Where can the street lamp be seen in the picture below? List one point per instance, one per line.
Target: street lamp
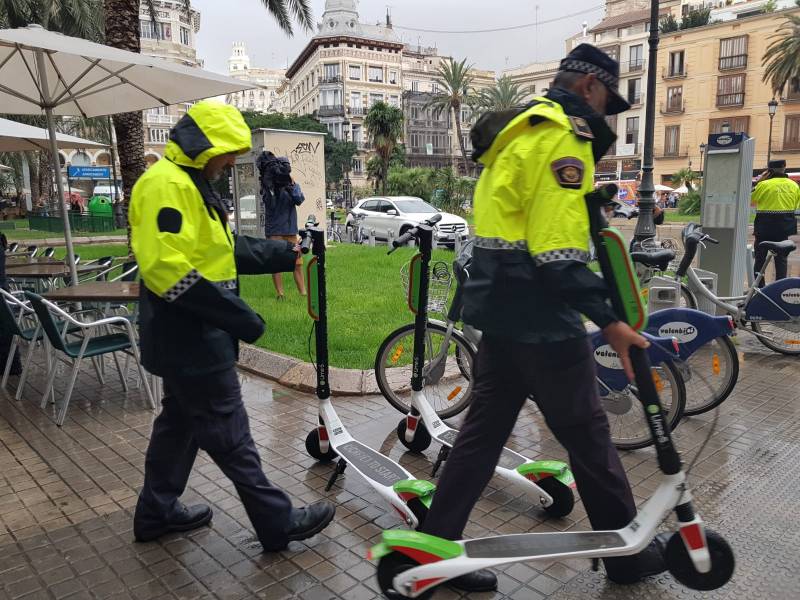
(772, 105)
(702, 155)
(645, 227)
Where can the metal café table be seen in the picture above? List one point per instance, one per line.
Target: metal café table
(16, 260)
(119, 292)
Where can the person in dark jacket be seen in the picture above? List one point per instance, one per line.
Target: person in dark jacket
(281, 196)
(191, 321)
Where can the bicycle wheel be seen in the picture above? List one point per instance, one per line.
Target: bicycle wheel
(710, 374)
(626, 419)
(784, 335)
(688, 299)
(447, 388)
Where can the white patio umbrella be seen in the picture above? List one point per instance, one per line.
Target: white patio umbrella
(662, 188)
(18, 137)
(681, 190)
(50, 73)
(5, 168)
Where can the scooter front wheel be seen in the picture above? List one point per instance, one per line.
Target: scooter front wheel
(314, 450)
(421, 439)
(681, 567)
(563, 498)
(389, 567)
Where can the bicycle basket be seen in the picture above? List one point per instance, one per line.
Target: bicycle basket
(439, 289)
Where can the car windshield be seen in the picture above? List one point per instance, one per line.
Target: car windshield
(414, 206)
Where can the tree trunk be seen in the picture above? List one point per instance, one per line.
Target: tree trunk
(122, 31)
(33, 169)
(457, 115)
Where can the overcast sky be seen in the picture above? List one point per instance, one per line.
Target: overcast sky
(226, 21)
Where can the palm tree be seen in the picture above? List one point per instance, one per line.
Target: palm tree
(384, 125)
(78, 18)
(504, 95)
(123, 31)
(685, 177)
(455, 80)
(782, 57)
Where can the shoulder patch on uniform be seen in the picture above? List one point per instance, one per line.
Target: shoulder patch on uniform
(169, 220)
(568, 172)
(581, 128)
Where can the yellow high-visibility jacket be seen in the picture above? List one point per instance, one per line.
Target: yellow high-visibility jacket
(776, 195)
(191, 316)
(529, 278)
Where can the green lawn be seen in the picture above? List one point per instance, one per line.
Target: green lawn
(365, 303)
(22, 232)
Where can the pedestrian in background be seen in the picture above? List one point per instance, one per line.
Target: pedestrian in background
(281, 196)
(776, 198)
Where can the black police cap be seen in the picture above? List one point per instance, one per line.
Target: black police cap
(585, 58)
(777, 164)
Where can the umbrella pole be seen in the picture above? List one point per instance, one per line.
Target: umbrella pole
(51, 128)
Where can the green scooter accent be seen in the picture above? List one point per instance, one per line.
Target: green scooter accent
(539, 469)
(430, 544)
(627, 284)
(416, 488)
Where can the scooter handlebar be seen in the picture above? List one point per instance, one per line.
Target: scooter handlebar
(305, 244)
(412, 233)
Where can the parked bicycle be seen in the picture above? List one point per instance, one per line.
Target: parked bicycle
(771, 313)
(334, 231)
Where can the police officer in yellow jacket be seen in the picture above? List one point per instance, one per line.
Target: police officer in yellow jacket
(191, 321)
(529, 283)
(776, 198)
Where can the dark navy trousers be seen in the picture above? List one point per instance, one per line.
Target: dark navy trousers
(206, 412)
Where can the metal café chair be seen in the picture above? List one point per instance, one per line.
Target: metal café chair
(32, 250)
(49, 252)
(94, 344)
(19, 320)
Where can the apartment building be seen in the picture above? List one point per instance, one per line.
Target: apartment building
(344, 69)
(269, 81)
(710, 80)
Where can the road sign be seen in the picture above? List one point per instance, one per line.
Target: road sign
(89, 172)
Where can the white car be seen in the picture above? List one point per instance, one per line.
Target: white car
(396, 214)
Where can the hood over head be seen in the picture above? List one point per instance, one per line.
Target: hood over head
(207, 130)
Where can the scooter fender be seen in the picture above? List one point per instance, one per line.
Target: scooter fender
(779, 301)
(421, 547)
(609, 366)
(692, 328)
(539, 469)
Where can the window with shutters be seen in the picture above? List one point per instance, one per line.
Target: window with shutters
(376, 74)
(793, 90)
(677, 64)
(355, 72)
(733, 53)
(672, 140)
(675, 99)
(730, 90)
(736, 124)
(791, 137)
(631, 130)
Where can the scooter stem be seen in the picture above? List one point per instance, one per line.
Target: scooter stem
(318, 307)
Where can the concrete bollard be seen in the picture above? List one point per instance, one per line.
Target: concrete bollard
(457, 245)
(371, 241)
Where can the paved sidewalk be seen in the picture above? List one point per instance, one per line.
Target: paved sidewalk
(67, 495)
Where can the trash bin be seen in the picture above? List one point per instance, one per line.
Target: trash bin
(100, 206)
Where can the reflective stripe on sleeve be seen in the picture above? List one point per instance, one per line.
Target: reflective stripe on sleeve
(182, 286)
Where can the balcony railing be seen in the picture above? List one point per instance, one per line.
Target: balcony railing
(633, 66)
(356, 111)
(737, 61)
(162, 119)
(674, 72)
(726, 100)
(332, 79)
(362, 145)
(628, 149)
(424, 150)
(634, 99)
(674, 107)
(792, 96)
(674, 152)
(336, 110)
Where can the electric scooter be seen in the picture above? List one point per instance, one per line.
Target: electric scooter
(409, 497)
(413, 564)
(549, 481)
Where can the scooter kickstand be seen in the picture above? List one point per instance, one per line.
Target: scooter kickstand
(444, 452)
(340, 467)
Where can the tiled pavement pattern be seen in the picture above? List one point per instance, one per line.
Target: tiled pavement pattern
(67, 495)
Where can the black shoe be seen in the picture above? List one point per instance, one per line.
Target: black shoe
(310, 520)
(626, 570)
(477, 581)
(185, 518)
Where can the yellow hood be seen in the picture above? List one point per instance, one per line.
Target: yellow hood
(209, 129)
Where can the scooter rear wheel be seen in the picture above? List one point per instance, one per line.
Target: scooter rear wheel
(563, 498)
(422, 438)
(682, 568)
(314, 450)
(389, 567)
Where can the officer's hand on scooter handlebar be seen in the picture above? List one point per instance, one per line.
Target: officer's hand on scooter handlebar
(620, 336)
